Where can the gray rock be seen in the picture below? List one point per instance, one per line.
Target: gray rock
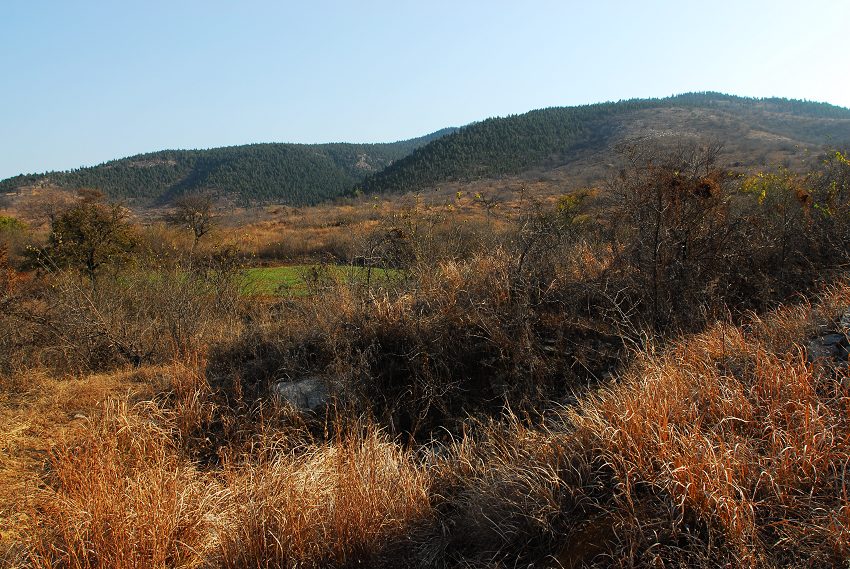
(307, 394)
(828, 346)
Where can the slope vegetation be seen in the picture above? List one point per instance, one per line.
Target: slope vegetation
(298, 174)
(561, 146)
(580, 139)
(640, 385)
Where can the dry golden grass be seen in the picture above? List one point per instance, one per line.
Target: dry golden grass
(36, 413)
(747, 443)
(727, 449)
(120, 496)
(336, 504)
(95, 480)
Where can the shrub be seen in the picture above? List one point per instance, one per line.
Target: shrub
(88, 236)
(672, 232)
(11, 225)
(143, 315)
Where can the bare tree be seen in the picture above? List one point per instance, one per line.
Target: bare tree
(196, 212)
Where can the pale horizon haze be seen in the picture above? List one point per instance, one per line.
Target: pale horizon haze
(89, 81)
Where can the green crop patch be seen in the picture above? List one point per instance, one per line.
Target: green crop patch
(302, 280)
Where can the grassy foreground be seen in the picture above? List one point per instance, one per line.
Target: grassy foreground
(727, 449)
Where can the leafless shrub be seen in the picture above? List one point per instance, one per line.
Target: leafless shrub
(141, 316)
(672, 233)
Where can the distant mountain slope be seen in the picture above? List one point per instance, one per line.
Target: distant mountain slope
(558, 147)
(298, 174)
(584, 136)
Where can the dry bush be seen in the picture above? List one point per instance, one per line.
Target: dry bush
(828, 192)
(692, 241)
(20, 336)
(139, 304)
(144, 315)
(455, 337)
(673, 234)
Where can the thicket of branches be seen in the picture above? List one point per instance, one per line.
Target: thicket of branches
(555, 298)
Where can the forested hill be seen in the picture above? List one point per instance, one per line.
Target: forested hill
(297, 174)
(567, 145)
(549, 138)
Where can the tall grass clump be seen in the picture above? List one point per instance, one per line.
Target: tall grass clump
(122, 494)
(344, 503)
(731, 449)
(119, 495)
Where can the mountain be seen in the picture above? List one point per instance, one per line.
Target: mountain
(576, 143)
(298, 174)
(554, 148)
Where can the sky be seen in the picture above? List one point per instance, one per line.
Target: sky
(86, 81)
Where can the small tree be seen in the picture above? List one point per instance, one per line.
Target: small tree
(196, 212)
(89, 236)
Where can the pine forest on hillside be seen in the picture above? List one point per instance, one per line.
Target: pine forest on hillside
(295, 174)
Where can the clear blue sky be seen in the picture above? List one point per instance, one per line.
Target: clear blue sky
(87, 81)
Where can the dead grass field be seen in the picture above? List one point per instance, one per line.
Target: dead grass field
(726, 449)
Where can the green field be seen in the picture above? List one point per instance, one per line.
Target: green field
(299, 280)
